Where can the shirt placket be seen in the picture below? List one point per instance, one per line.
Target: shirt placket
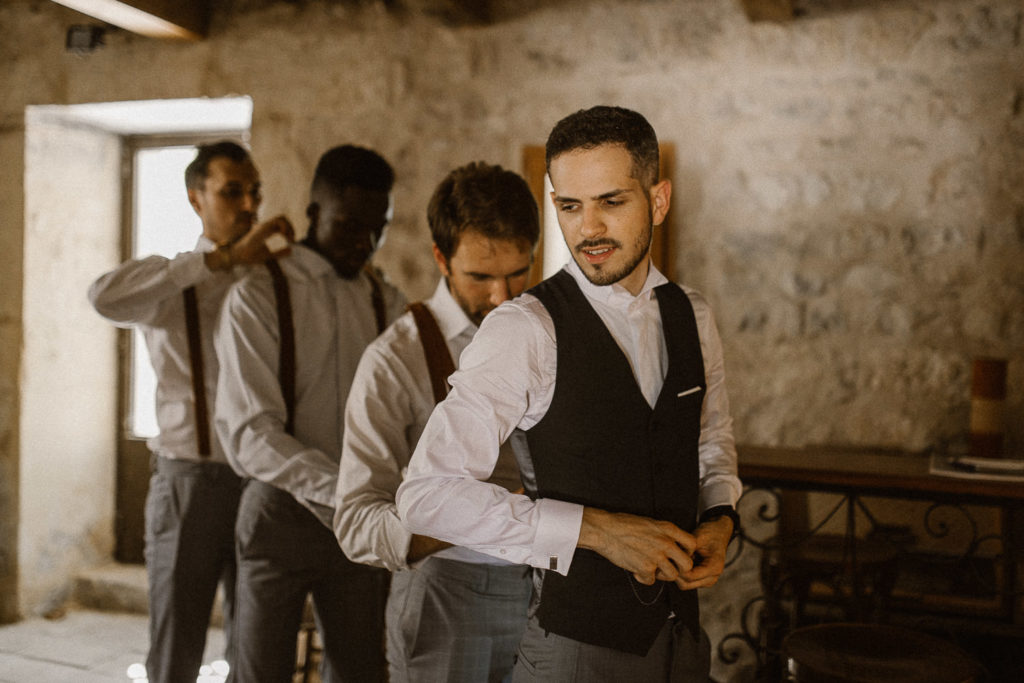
(648, 366)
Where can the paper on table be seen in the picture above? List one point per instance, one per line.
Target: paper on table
(969, 468)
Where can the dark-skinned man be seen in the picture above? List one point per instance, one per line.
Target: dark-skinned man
(290, 343)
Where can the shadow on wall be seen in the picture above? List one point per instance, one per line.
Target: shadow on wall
(490, 12)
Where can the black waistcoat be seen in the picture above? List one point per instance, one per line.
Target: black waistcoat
(601, 444)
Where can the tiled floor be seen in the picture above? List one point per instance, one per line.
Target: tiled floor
(81, 647)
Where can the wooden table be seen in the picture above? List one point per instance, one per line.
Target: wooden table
(887, 473)
(858, 473)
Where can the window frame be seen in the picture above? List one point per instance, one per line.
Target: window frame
(133, 456)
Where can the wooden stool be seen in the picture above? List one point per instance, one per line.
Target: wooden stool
(874, 653)
(860, 589)
(308, 649)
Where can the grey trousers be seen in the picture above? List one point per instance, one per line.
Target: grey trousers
(190, 539)
(677, 656)
(455, 621)
(285, 553)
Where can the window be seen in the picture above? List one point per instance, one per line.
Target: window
(162, 222)
(157, 219)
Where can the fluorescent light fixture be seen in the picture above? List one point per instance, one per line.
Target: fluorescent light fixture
(182, 20)
(156, 117)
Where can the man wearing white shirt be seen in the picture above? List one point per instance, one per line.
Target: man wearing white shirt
(632, 480)
(193, 494)
(284, 376)
(453, 614)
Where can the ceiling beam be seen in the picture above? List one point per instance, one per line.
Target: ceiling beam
(178, 19)
(768, 10)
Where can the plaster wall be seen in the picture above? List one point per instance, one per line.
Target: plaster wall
(11, 240)
(68, 360)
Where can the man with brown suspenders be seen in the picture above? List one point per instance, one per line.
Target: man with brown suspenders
(289, 342)
(453, 614)
(193, 494)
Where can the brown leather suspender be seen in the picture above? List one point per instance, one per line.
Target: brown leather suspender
(439, 359)
(377, 297)
(286, 352)
(195, 356)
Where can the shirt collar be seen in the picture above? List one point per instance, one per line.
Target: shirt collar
(306, 263)
(204, 244)
(610, 294)
(450, 317)
(316, 264)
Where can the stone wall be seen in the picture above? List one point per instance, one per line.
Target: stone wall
(849, 186)
(848, 191)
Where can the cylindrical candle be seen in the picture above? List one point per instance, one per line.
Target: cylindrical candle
(988, 407)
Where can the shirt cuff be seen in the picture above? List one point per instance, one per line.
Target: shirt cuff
(558, 532)
(397, 540)
(714, 495)
(188, 269)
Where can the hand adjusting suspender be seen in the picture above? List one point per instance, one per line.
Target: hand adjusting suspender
(439, 359)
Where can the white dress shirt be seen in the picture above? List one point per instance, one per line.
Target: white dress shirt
(147, 293)
(505, 381)
(388, 407)
(334, 321)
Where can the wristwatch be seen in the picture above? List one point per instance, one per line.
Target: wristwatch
(220, 258)
(718, 511)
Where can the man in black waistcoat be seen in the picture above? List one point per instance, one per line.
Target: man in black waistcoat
(615, 377)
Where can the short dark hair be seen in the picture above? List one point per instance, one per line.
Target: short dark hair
(199, 169)
(486, 199)
(349, 165)
(604, 125)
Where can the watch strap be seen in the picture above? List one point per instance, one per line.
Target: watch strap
(718, 511)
